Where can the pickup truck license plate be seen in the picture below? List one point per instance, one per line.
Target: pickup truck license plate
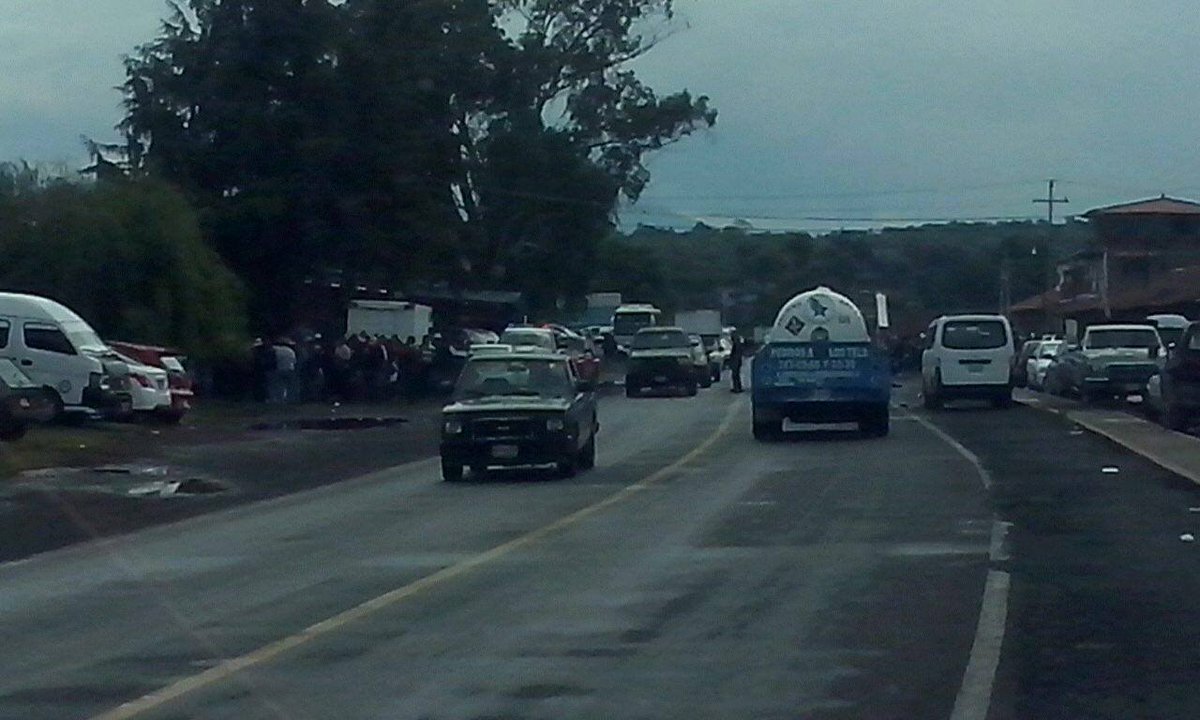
(504, 452)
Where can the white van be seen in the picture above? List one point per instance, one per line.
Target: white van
(968, 356)
(55, 347)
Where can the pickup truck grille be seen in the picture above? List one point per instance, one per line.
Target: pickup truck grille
(656, 365)
(504, 428)
(1130, 372)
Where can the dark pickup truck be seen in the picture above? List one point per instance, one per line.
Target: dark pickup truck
(519, 409)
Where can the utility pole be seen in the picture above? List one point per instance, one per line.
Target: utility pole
(1050, 201)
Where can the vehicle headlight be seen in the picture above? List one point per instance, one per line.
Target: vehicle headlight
(684, 360)
(453, 426)
(555, 424)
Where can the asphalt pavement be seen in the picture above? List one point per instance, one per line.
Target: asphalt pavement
(694, 573)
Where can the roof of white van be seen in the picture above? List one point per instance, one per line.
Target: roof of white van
(35, 307)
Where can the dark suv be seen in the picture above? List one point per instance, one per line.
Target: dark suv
(519, 409)
(1179, 381)
(660, 357)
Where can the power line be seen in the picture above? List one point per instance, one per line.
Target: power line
(846, 194)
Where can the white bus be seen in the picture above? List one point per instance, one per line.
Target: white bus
(628, 319)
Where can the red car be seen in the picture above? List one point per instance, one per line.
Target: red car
(178, 379)
(580, 350)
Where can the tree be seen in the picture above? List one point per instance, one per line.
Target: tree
(389, 139)
(126, 255)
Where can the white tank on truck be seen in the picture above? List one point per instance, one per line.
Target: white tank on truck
(819, 366)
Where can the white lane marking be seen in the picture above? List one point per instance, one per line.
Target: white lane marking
(998, 552)
(971, 457)
(975, 694)
(974, 697)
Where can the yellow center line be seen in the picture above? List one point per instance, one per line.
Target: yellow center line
(266, 653)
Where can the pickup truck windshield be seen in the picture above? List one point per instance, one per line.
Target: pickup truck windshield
(514, 377)
(1106, 339)
(974, 335)
(660, 340)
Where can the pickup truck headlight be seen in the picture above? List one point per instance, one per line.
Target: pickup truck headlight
(453, 426)
(555, 424)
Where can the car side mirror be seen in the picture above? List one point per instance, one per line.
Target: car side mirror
(1155, 351)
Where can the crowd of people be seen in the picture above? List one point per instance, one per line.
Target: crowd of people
(352, 369)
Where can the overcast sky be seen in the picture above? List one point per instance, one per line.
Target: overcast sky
(844, 109)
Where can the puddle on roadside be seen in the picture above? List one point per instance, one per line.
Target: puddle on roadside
(135, 480)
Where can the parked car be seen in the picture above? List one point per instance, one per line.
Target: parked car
(523, 409)
(968, 357)
(580, 349)
(700, 364)
(719, 348)
(1170, 327)
(1111, 360)
(1173, 393)
(22, 402)
(524, 337)
(149, 387)
(1037, 365)
(1020, 370)
(58, 351)
(660, 357)
(179, 380)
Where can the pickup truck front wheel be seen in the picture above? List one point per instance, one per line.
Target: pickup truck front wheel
(451, 472)
(587, 456)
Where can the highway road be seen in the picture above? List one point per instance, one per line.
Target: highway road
(974, 564)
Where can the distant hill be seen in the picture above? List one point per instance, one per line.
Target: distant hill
(926, 270)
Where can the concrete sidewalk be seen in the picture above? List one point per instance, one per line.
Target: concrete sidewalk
(1173, 451)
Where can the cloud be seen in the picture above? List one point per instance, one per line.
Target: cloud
(61, 61)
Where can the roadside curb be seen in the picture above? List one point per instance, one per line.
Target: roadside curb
(1192, 474)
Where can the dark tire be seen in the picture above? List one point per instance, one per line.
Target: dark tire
(932, 400)
(631, 391)
(716, 374)
(876, 423)
(10, 432)
(587, 456)
(692, 389)
(1003, 401)
(567, 467)
(479, 471)
(768, 431)
(452, 472)
(1173, 418)
(1091, 397)
(706, 382)
(56, 402)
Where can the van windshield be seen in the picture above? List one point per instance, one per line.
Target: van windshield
(974, 335)
(630, 322)
(83, 337)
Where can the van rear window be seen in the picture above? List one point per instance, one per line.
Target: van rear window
(974, 335)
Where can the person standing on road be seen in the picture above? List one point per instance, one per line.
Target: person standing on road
(283, 388)
(736, 354)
